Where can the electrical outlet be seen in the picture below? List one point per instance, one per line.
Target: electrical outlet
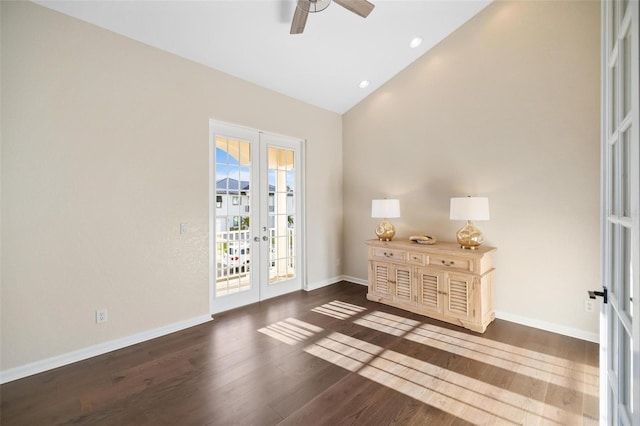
(101, 316)
(589, 305)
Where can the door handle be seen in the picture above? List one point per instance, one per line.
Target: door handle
(603, 294)
(265, 238)
(256, 239)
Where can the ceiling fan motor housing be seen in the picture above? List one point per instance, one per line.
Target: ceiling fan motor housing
(313, 6)
(304, 7)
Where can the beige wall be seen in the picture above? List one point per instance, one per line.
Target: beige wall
(104, 154)
(507, 107)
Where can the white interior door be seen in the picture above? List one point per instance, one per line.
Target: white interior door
(255, 216)
(620, 319)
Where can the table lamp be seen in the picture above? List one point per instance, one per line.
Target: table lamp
(469, 208)
(385, 209)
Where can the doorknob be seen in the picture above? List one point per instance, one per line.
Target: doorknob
(603, 294)
(256, 239)
(265, 238)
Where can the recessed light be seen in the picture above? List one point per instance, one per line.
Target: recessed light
(363, 84)
(415, 42)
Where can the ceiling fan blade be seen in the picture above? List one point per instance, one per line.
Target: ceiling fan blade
(299, 21)
(359, 7)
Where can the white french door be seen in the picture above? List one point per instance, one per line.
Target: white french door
(620, 319)
(256, 182)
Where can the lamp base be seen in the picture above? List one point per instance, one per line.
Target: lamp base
(469, 237)
(385, 231)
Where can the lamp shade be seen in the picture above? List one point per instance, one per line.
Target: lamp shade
(469, 208)
(385, 208)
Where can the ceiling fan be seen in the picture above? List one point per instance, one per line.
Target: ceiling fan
(304, 7)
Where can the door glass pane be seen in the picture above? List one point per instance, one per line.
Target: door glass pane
(612, 363)
(613, 179)
(608, 274)
(281, 175)
(626, 284)
(613, 101)
(615, 15)
(233, 208)
(614, 95)
(613, 254)
(626, 354)
(613, 355)
(625, 173)
(626, 74)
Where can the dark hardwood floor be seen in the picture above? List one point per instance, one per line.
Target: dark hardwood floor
(324, 357)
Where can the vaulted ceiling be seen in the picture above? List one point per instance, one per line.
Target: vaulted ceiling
(250, 39)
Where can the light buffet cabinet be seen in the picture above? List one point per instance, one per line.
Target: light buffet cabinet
(441, 281)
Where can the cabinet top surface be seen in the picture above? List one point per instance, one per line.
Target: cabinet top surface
(437, 247)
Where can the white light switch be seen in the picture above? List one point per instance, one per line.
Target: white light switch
(184, 228)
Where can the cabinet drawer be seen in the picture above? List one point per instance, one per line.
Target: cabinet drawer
(389, 254)
(451, 262)
(417, 258)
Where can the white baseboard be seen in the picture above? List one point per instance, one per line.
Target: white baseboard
(323, 283)
(547, 326)
(99, 349)
(330, 281)
(355, 280)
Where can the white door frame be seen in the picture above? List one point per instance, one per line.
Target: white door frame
(259, 249)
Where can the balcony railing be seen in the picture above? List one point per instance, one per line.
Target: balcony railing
(233, 255)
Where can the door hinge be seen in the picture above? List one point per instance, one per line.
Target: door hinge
(603, 294)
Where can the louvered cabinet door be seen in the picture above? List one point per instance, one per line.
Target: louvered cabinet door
(429, 289)
(459, 296)
(403, 291)
(381, 280)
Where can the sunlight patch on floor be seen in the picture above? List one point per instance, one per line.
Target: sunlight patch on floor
(540, 366)
(339, 310)
(465, 397)
(469, 399)
(290, 331)
(344, 351)
(387, 323)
